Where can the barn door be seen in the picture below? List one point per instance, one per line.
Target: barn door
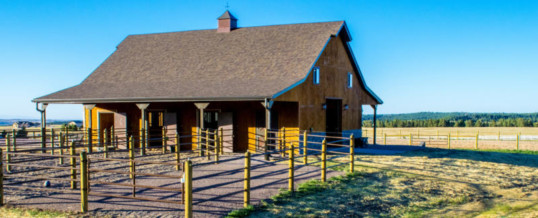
(333, 117)
(225, 122)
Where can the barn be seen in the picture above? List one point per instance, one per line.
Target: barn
(240, 79)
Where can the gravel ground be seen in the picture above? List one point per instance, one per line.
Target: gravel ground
(217, 188)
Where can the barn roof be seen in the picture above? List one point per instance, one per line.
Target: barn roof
(249, 63)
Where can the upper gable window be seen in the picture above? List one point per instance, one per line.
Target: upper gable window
(349, 80)
(316, 75)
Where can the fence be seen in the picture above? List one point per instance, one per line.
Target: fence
(92, 163)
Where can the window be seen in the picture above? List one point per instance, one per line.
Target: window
(316, 75)
(349, 80)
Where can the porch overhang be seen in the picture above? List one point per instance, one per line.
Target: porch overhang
(149, 100)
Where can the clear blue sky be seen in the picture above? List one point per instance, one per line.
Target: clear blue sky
(431, 55)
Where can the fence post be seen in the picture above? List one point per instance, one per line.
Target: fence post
(351, 153)
(73, 163)
(499, 136)
(52, 141)
(476, 142)
(1, 180)
(146, 137)
(385, 138)
(517, 142)
(283, 144)
(216, 144)
(448, 138)
(207, 144)
(291, 167)
(437, 134)
(221, 139)
(266, 144)
(112, 134)
(62, 143)
(43, 140)
(410, 139)
(105, 140)
(178, 157)
(188, 189)
(305, 147)
(83, 182)
(14, 141)
(324, 160)
(246, 191)
(90, 140)
(142, 142)
(8, 150)
(199, 141)
(131, 157)
(165, 139)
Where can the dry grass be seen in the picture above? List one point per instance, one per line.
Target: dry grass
(430, 183)
(463, 131)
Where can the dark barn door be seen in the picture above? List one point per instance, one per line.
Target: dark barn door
(333, 117)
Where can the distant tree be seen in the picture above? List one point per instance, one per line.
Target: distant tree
(536, 124)
(468, 123)
(491, 123)
(478, 123)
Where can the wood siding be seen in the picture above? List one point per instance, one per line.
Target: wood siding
(334, 64)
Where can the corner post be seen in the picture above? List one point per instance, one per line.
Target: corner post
(143, 127)
(267, 104)
(83, 182)
(188, 189)
(291, 167)
(324, 160)
(246, 191)
(89, 125)
(178, 157)
(201, 107)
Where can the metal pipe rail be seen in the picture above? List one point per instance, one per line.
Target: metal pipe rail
(134, 198)
(135, 173)
(41, 189)
(136, 186)
(40, 178)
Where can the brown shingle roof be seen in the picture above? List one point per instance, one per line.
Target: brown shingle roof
(247, 63)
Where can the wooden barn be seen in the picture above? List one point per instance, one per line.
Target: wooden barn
(241, 79)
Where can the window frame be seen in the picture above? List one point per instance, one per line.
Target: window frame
(316, 75)
(349, 83)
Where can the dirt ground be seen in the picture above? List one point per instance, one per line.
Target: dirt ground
(217, 188)
(426, 183)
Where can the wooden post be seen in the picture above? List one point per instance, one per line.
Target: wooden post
(266, 144)
(351, 153)
(112, 136)
(62, 144)
(164, 140)
(146, 137)
(83, 182)
(283, 143)
(476, 142)
(216, 144)
(437, 134)
(99, 138)
(43, 140)
(324, 160)
(1, 180)
(305, 147)
(8, 150)
(221, 139)
(90, 140)
(499, 135)
(199, 142)
(385, 138)
(131, 157)
(448, 138)
(73, 163)
(517, 142)
(142, 142)
(178, 156)
(14, 148)
(207, 144)
(105, 144)
(52, 141)
(291, 167)
(246, 191)
(410, 139)
(188, 189)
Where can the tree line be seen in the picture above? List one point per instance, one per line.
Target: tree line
(430, 119)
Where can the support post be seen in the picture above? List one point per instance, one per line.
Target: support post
(188, 189)
(221, 139)
(73, 163)
(291, 167)
(283, 143)
(43, 140)
(351, 153)
(385, 138)
(14, 148)
(52, 141)
(324, 160)
(61, 137)
(43, 111)
(178, 155)
(305, 147)
(201, 107)
(106, 139)
(83, 182)
(267, 104)
(207, 144)
(375, 123)
(216, 144)
(142, 142)
(265, 147)
(144, 135)
(90, 140)
(131, 157)
(8, 150)
(164, 139)
(246, 191)
(410, 139)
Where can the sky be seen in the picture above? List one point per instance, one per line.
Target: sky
(429, 55)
